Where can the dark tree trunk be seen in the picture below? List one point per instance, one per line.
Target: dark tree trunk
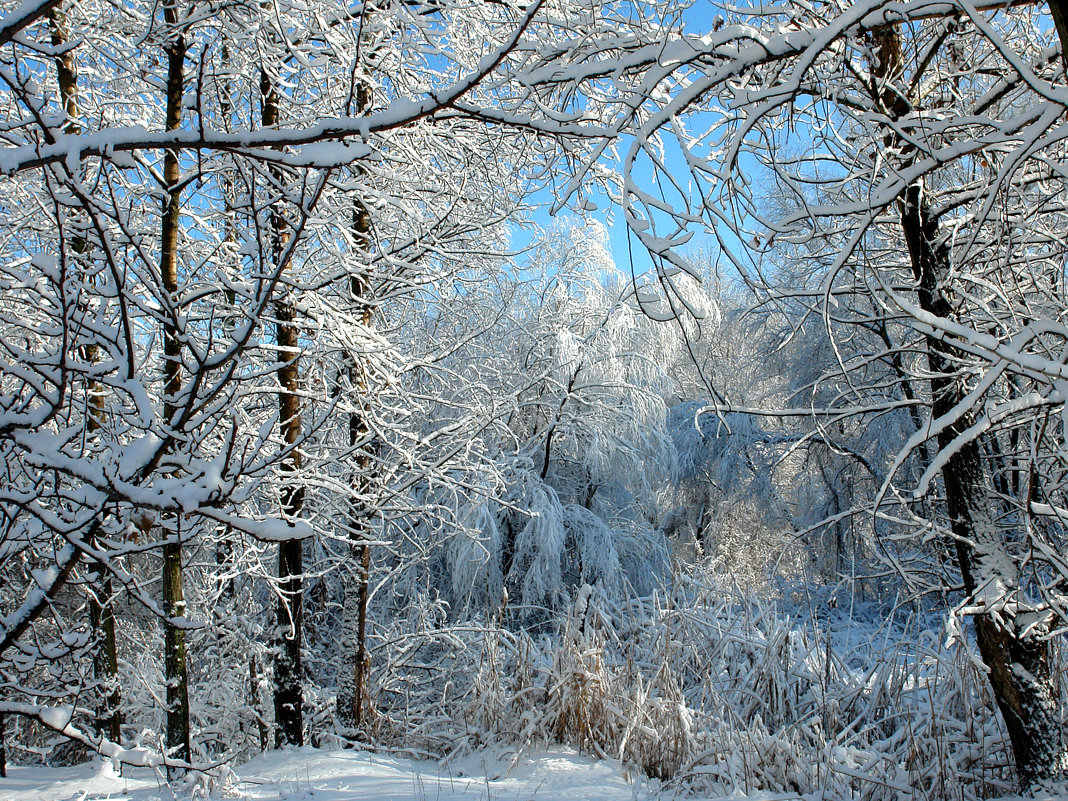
(173, 597)
(361, 663)
(106, 657)
(288, 687)
(1020, 667)
(351, 709)
(288, 679)
(101, 591)
(174, 656)
(255, 705)
(359, 516)
(1019, 663)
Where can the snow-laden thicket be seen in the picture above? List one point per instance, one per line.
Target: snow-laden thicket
(605, 563)
(568, 459)
(288, 435)
(599, 567)
(717, 693)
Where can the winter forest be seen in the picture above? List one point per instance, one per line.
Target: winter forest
(667, 387)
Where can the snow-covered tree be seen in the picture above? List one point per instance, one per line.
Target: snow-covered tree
(556, 374)
(912, 155)
(177, 239)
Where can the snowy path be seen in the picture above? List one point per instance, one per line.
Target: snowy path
(557, 774)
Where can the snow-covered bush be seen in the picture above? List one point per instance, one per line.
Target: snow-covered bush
(711, 690)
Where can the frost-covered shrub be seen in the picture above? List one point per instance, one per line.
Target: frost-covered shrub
(727, 498)
(713, 691)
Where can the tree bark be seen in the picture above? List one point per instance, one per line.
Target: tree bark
(358, 430)
(361, 664)
(173, 596)
(106, 657)
(255, 705)
(288, 685)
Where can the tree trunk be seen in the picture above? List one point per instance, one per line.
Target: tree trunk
(254, 703)
(1058, 9)
(174, 656)
(173, 596)
(106, 658)
(288, 686)
(361, 663)
(101, 592)
(1020, 667)
(351, 708)
(358, 514)
(1019, 663)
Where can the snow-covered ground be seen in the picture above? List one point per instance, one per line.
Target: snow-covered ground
(308, 774)
(557, 774)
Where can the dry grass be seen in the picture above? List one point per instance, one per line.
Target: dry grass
(717, 693)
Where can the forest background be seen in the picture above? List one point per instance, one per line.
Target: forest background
(299, 446)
